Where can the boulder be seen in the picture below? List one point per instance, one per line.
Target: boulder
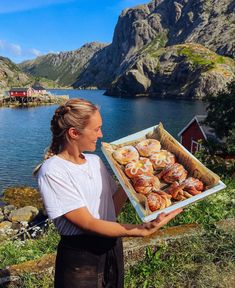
(5, 225)
(8, 209)
(6, 229)
(27, 214)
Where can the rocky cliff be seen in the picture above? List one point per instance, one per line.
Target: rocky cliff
(11, 75)
(64, 67)
(188, 71)
(163, 24)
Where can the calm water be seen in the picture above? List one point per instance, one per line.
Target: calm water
(25, 132)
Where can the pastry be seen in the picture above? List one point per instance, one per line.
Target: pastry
(145, 184)
(143, 166)
(161, 159)
(148, 147)
(125, 154)
(172, 173)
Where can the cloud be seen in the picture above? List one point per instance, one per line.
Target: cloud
(12, 50)
(35, 52)
(10, 6)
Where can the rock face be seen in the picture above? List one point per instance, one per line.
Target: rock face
(11, 75)
(162, 23)
(188, 71)
(64, 67)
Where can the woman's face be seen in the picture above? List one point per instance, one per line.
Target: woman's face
(92, 132)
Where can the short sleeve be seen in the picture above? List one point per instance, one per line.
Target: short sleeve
(59, 194)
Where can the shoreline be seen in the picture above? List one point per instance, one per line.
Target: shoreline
(32, 101)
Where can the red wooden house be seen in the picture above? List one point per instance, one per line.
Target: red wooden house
(20, 92)
(194, 131)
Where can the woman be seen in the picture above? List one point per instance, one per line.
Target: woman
(83, 201)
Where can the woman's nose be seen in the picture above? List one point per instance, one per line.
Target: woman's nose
(100, 135)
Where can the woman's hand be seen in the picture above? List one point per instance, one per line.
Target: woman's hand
(151, 227)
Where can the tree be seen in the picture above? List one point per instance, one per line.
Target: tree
(221, 112)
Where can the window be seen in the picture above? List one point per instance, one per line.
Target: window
(195, 146)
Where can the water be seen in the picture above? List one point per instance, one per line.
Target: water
(25, 132)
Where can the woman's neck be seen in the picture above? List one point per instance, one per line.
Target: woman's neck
(73, 156)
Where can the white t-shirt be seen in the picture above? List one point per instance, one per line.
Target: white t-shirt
(66, 186)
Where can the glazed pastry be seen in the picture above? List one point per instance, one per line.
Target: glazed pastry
(125, 154)
(143, 166)
(193, 185)
(148, 147)
(177, 192)
(161, 159)
(172, 173)
(145, 184)
(156, 201)
(165, 196)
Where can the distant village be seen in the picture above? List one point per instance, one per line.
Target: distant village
(35, 95)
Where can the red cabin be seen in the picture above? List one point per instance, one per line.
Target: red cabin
(20, 92)
(194, 131)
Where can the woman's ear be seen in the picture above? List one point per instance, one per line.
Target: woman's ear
(73, 133)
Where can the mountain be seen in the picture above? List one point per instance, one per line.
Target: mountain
(64, 67)
(166, 48)
(188, 71)
(11, 75)
(164, 24)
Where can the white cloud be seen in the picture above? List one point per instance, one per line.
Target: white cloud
(35, 52)
(9, 6)
(13, 49)
(16, 52)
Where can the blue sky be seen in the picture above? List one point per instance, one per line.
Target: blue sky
(30, 28)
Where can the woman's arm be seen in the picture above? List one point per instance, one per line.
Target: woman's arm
(84, 220)
(119, 199)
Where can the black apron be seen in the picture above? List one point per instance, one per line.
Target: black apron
(89, 261)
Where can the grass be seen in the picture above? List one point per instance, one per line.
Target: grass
(29, 280)
(17, 251)
(202, 261)
(199, 261)
(199, 56)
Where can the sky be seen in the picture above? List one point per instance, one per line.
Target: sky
(30, 28)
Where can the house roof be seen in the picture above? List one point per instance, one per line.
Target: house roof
(18, 89)
(207, 131)
(38, 87)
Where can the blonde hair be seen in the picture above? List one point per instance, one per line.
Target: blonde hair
(74, 113)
